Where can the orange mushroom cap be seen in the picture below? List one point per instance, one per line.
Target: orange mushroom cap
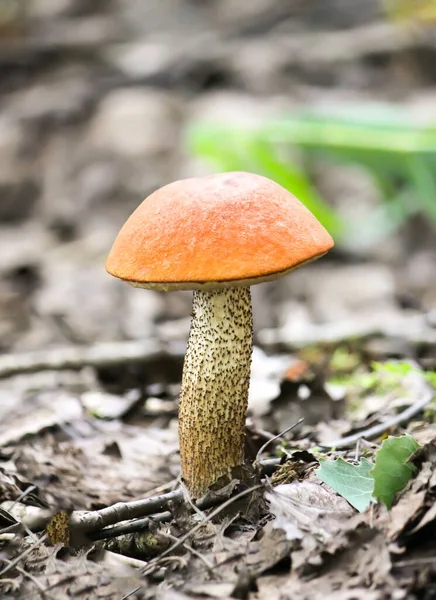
(223, 230)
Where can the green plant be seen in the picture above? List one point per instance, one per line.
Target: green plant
(399, 154)
(382, 378)
(368, 481)
(411, 11)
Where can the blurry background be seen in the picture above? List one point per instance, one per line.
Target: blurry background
(102, 102)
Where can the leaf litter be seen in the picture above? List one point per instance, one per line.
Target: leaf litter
(308, 537)
(86, 422)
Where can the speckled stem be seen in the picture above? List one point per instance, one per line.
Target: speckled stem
(214, 395)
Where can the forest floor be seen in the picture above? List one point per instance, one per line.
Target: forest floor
(90, 368)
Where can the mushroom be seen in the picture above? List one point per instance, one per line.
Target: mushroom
(216, 235)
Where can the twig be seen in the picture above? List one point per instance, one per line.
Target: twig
(130, 594)
(276, 437)
(21, 497)
(414, 562)
(32, 578)
(89, 521)
(134, 526)
(107, 522)
(188, 500)
(78, 357)
(412, 329)
(101, 524)
(137, 525)
(23, 554)
(197, 527)
(376, 430)
(207, 564)
(34, 518)
(15, 528)
(26, 492)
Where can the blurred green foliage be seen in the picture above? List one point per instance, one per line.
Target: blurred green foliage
(382, 377)
(411, 11)
(400, 156)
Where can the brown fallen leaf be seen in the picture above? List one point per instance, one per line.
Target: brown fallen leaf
(405, 512)
(428, 518)
(272, 549)
(70, 472)
(301, 507)
(52, 409)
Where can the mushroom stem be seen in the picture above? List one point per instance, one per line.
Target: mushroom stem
(214, 394)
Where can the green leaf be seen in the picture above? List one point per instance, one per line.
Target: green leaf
(397, 151)
(352, 482)
(246, 149)
(392, 468)
(422, 175)
(430, 376)
(288, 175)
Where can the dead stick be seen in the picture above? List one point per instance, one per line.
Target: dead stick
(94, 523)
(78, 357)
(268, 466)
(133, 526)
(376, 430)
(89, 521)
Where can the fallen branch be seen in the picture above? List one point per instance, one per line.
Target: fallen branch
(34, 518)
(413, 329)
(268, 466)
(110, 521)
(376, 430)
(88, 521)
(145, 351)
(134, 526)
(78, 357)
(354, 44)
